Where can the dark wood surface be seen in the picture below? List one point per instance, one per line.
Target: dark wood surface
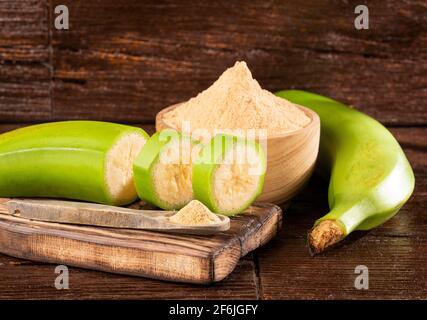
(125, 60)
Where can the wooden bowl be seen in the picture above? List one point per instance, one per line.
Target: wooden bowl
(290, 157)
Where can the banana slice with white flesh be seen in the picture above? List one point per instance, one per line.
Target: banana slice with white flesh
(163, 170)
(229, 174)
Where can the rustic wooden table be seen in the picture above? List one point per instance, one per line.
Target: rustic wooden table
(123, 61)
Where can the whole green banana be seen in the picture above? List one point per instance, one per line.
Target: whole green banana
(82, 160)
(370, 176)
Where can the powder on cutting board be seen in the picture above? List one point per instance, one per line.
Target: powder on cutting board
(237, 101)
(194, 213)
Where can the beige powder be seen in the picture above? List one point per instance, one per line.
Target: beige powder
(194, 213)
(237, 101)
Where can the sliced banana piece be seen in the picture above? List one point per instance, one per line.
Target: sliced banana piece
(163, 170)
(229, 174)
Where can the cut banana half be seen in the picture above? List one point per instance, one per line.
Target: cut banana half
(229, 174)
(79, 160)
(163, 170)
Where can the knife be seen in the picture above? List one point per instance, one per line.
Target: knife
(92, 214)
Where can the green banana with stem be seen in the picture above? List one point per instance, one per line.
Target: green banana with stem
(370, 176)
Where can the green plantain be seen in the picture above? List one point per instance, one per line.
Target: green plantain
(370, 176)
(81, 160)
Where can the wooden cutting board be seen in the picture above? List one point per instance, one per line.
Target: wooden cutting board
(173, 257)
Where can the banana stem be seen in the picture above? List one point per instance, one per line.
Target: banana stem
(325, 234)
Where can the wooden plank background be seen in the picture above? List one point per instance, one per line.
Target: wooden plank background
(25, 71)
(125, 60)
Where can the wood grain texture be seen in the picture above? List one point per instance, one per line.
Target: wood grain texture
(165, 256)
(5, 127)
(125, 61)
(25, 72)
(395, 252)
(23, 279)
